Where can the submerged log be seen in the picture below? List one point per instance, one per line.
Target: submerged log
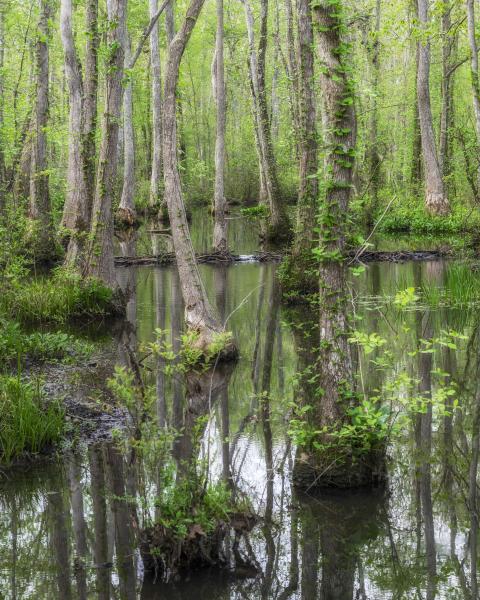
(213, 258)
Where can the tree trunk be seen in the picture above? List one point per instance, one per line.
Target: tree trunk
(199, 315)
(308, 185)
(100, 260)
(374, 157)
(436, 201)
(40, 209)
(155, 67)
(126, 213)
(474, 71)
(90, 98)
(76, 214)
(220, 243)
(278, 226)
(2, 104)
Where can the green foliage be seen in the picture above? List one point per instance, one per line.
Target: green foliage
(29, 421)
(58, 298)
(260, 211)
(15, 343)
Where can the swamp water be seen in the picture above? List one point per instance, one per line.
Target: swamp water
(68, 531)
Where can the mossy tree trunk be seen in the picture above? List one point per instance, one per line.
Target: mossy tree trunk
(100, 259)
(42, 237)
(156, 176)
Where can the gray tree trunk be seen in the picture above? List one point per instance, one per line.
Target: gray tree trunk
(436, 201)
(126, 210)
(2, 103)
(100, 259)
(40, 210)
(199, 314)
(308, 184)
(269, 188)
(155, 68)
(474, 70)
(90, 90)
(220, 243)
(76, 214)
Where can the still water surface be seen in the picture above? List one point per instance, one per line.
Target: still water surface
(64, 534)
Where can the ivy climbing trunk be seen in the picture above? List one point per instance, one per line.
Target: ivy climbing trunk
(90, 93)
(472, 39)
(199, 315)
(2, 105)
(100, 259)
(219, 203)
(41, 234)
(76, 213)
(436, 201)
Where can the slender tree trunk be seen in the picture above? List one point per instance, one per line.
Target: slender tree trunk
(99, 506)
(2, 104)
(474, 71)
(270, 195)
(100, 260)
(416, 163)
(40, 209)
(436, 201)
(199, 315)
(220, 243)
(374, 156)
(446, 113)
(126, 213)
(308, 184)
(155, 67)
(76, 214)
(90, 98)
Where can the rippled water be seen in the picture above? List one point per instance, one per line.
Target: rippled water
(66, 533)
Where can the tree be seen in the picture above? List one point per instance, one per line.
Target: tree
(156, 93)
(39, 213)
(220, 243)
(100, 260)
(475, 81)
(199, 315)
(76, 213)
(436, 201)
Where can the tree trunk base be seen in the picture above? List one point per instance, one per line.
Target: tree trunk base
(327, 470)
(437, 204)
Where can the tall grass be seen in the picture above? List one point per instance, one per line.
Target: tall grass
(29, 422)
(58, 298)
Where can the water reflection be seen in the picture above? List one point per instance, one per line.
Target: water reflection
(72, 529)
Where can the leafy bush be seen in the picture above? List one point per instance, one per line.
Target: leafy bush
(29, 422)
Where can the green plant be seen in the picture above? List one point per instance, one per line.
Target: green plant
(29, 421)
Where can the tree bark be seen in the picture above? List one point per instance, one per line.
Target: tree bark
(436, 201)
(199, 315)
(220, 243)
(270, 195)
(76, 213)
(100, 260)
(2, 104)
(308, 185)
(90, 98)
(373, 155)
(126, 213)
(40, 209)
(474, 71)
(155, 67)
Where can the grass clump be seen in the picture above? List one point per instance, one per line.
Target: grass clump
(29, 421)
(58, 298)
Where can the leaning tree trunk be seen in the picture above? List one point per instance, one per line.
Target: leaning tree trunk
(474, 69)
(40, 210)
(76, 214)
(126, 213)
(100, 259)
(90, 98)
(436, 200)
(220, 227)
(199, 315)
(155, 68)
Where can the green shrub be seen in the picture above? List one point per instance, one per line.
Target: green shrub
(29, 422)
